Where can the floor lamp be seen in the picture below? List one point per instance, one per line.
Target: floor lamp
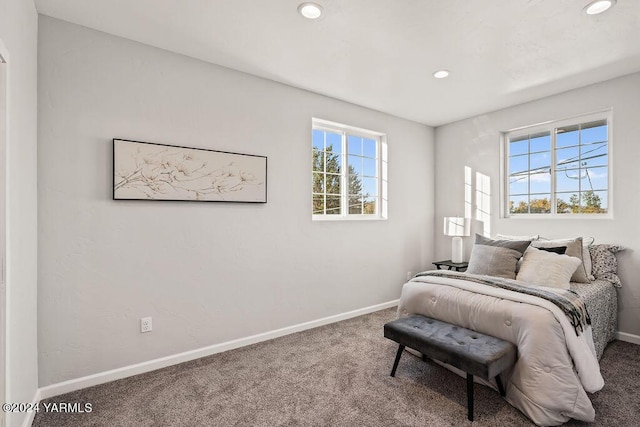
(457, 227)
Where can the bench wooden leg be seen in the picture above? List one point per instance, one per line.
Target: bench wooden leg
(395, 364)
(470, 397)
(500, 387)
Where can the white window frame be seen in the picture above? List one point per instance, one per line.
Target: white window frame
(381, 171)
(550, 127)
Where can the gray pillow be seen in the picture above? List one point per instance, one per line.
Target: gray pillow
(496, 257)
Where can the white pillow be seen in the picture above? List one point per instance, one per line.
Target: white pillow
(545, 268)
(586, 256)
(510, 237)
(575, 248)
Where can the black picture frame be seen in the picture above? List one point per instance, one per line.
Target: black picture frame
(162, 172)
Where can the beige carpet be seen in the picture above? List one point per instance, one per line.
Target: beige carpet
(335, 375)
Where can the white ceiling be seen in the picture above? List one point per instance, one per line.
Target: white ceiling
(382, 53)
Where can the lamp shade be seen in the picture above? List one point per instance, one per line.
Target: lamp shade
(456, 226)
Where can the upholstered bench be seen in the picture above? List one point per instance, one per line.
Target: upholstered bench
(474, 353)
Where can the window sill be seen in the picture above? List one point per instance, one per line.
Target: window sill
(560, 217)
(330, 218)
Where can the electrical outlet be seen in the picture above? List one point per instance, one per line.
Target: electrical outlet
(145, 324)
(409, 275)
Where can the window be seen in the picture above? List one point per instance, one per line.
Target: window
(349, 169)
(560, 168)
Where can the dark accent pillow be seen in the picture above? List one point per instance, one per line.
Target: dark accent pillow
(496, 257)
(556, 250)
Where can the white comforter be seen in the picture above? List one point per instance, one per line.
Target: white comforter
(555, 367)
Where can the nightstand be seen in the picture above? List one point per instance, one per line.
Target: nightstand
(457, 266)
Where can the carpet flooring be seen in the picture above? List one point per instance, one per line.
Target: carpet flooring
(334, 375)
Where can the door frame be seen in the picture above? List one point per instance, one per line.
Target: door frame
(4, 101)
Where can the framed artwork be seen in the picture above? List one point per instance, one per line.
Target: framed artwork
(148, 171)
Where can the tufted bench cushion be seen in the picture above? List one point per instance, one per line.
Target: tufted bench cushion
(475, 353)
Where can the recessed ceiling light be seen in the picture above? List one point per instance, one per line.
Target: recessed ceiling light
(441, 74)
(310, 10)
(598, 6)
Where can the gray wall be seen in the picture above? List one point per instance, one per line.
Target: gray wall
(206, 272)
(475, 143)
(18, 33)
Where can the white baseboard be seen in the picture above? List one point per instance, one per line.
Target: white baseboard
(32, 415)
(163, 362)
(623, 336)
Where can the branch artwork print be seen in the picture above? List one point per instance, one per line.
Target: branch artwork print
(161, 172)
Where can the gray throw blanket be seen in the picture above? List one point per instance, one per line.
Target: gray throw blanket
(566, 300)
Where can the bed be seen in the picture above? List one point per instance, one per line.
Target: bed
(558, 357)
(601, 299)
